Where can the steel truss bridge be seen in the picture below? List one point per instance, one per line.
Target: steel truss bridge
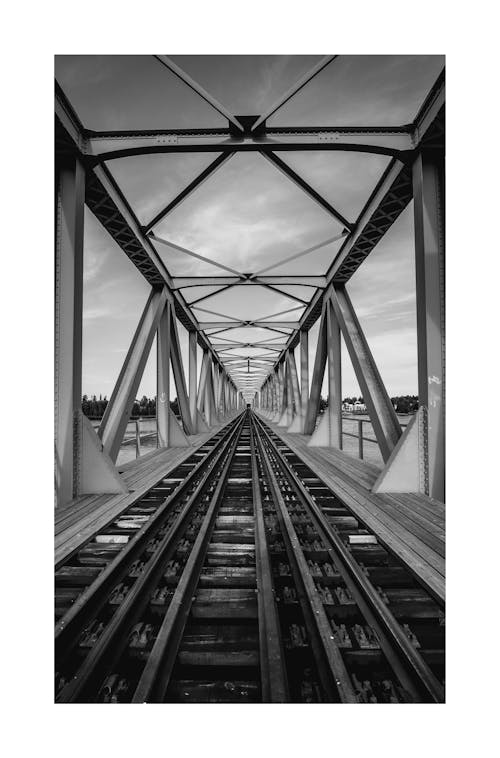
(271, 448)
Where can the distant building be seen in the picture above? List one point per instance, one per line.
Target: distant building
(355, 407)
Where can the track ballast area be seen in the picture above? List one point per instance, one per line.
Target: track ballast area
(242, 578)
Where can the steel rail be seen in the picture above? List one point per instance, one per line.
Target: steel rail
(405, 651)
(155, 678)
(87, 601)
(369, 616)
(138, 596)
(272, 664)
(341, 685)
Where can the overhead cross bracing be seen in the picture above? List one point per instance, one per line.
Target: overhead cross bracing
(305, 277)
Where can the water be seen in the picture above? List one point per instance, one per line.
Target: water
(147, 428)
(371, 452)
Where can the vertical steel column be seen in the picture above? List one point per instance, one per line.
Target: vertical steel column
(287, 403)
(193, 380)
(428, 193)
(294, 383)
(202, 401)
(210, 411)
(216, 387)
(318, 374)
(304, 375)
(227, 407)
(276, 395)
(218, 380)
(179, 378)
(282, 387)
(68, 325)
(163, 377)
(334, 378)
(290, 395)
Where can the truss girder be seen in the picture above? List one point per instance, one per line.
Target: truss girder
(393, 141)
(382, 414)
(390, 197)
(119, 408)
(184, 282)
(388, 140)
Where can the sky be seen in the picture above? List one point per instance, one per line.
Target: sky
(248, 215)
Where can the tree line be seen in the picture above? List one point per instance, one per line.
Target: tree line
(401, 403)
(145, 407)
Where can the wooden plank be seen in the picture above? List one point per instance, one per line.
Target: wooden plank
(433, 510)
(434, 522)
(97, 510)
(382, 517)
(372, 512)
(422, 510)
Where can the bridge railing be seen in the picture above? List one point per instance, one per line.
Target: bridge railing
(137, 437)
(359, 435)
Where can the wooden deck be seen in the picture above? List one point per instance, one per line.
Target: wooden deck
(412, 526)
(79, 519)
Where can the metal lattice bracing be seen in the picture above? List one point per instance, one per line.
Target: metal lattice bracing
(260, 368)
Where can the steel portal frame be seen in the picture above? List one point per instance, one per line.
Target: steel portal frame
(415, 171)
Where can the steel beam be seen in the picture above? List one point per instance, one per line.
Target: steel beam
(305, 79)
(382, 414)
(301, 407)
(110, 145)
(428, 187)
(163, 376)
(186, 251)
(294, 382)
(243, 324)
(187, 191)
(202, 382)
(210, 410)
(68, 324)
(179, 378)
(119, 408)
(193, 380)
(181, 282)
(304, 376)
(285, 169)
(317, 375)
(301, 254)
(192, 84)
(334, 409)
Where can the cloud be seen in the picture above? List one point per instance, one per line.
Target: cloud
(92, 314)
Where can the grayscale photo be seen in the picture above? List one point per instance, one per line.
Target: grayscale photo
(249, 379)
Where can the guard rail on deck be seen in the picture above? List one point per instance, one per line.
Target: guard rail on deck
(359, 436)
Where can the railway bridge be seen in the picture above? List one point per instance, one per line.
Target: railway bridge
(249, 557)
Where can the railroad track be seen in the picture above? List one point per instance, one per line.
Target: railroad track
(243, 578)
